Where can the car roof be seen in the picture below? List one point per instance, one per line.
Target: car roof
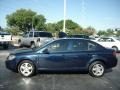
(73, 39)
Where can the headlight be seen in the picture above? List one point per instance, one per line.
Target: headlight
(11, 57)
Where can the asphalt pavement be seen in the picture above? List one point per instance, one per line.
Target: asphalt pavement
(57, 81)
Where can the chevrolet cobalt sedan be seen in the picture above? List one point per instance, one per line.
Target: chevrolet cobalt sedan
(63, 55)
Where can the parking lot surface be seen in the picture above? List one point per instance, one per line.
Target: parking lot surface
(57, 81)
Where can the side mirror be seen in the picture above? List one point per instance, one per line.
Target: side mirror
(45, 51)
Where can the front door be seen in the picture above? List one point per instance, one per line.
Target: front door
(54, 59)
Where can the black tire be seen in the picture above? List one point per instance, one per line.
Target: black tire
(32, 45)
(96, 73)
(19, 44)
(115, 48)
(30, 65)
(5, 46)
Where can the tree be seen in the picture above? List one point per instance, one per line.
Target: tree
(70, 26)
(13, 30)
(25, 20)
(109, 32)
(118, 33)
(52, 27)
(101, 33)
(89, 31)
(39, 22)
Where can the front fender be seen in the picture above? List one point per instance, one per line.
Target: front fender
(33, 59)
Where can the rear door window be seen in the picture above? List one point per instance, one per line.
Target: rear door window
(45, 34)
(42, 34)
(81, 45)
(31, 34)
(36, 34)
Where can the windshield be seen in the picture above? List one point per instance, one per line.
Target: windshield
(25, 34)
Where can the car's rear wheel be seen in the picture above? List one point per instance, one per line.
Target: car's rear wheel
(97, 69)
(19, 43)
(26, 68)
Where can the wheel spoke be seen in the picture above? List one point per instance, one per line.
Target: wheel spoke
(26, 69)
(26, 65)
(98, 69)
(22, 67)
(30, 68)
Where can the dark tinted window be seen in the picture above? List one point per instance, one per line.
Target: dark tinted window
(36, 34)
(42, 34)
(58, 46)
(81, 45)
(26, 34)
(91, 46)
(31, 34)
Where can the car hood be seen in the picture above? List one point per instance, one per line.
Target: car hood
(22, 51)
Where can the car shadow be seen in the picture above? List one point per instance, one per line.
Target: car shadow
(69, 72)
(108, 70)
(63, 72)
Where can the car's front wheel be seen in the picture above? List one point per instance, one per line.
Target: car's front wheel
(26, 68)
(97, 69)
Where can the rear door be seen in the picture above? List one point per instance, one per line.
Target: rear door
(80, 53)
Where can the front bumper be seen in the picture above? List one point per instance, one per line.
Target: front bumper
(11, 65)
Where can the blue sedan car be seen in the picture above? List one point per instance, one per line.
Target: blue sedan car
(63, 54)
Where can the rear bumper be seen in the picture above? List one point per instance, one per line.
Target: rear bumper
(112, 63)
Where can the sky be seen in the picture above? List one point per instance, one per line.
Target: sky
(100, 14)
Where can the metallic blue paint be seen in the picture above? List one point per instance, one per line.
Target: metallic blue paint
(68, 60)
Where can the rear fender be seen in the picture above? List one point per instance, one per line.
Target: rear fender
(96, 58)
